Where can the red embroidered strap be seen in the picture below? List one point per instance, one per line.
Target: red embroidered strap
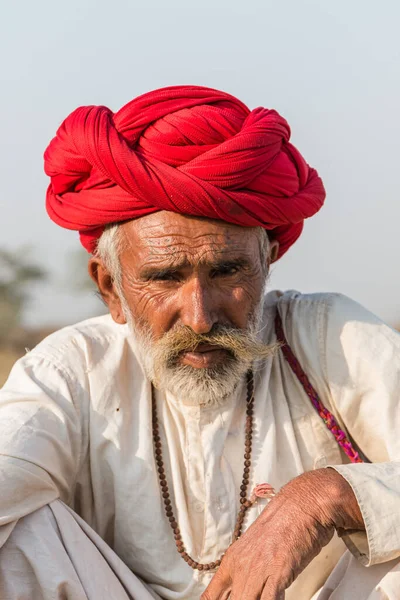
(325, 415)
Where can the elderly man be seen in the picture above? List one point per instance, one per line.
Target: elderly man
(203, 439)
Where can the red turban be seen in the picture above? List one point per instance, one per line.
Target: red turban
(187, 149)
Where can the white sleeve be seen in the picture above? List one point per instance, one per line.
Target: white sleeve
(362, 360)
(40, 437)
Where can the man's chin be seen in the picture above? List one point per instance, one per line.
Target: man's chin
(207, 386)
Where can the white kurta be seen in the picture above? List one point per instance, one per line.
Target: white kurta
(75, 424)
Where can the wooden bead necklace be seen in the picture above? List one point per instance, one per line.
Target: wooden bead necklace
(244, 502)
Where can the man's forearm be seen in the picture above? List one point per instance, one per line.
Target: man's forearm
(293, 528)
(333, 495)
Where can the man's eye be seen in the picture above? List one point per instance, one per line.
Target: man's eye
(170, 276)
(226, 271)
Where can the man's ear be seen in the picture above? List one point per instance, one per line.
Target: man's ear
(102, 278)
(273, 252)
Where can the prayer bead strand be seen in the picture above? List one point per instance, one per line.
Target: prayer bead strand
(244, 502)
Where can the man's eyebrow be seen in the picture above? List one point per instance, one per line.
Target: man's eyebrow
(156, 271)
(228, 263)
(152, 271)
(149, 273)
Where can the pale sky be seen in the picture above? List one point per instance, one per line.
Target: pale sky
(331, 68)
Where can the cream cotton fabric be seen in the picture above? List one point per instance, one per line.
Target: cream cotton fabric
(75, 427)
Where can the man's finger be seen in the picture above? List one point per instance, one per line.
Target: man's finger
(219, 587)
(256, 587)
(248, 583)
(272, 591)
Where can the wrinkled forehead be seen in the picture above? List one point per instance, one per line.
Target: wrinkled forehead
(170, 235)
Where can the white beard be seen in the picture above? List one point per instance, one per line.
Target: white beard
(191, 386)
(194, 387)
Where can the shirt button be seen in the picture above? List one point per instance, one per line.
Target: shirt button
(198, 507)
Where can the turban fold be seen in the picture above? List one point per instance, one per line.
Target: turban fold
(187, 149)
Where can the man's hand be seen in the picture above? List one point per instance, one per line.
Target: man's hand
(289, 533)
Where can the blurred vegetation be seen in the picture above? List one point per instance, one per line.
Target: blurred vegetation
(17, 273)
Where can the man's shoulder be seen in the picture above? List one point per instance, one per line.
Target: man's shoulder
(81, 343)
(292, 303)
(307, 317)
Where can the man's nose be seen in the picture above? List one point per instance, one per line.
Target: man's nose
(198, 310)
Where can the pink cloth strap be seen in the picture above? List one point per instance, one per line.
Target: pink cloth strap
(327, 417)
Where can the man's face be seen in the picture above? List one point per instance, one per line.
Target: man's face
(179, 270)
(192, 289)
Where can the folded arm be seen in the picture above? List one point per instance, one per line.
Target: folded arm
(40, 439)
(289, 533)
